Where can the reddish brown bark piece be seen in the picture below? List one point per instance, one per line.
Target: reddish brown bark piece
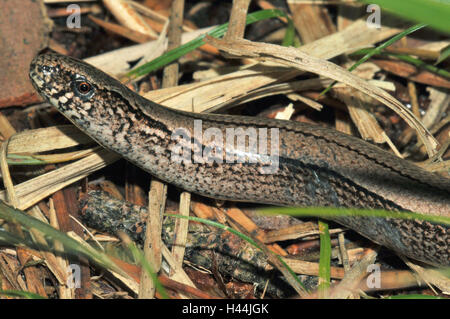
(24, 32)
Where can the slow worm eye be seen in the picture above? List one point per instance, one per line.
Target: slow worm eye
(83, 87)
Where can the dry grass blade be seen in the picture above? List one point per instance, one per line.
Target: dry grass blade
(249, 83)
(352, 278)
(135, 36)
(6, 129)
(38, 188)
(127, 16)
(356, 102)
(177, 270)
(238, 87)
(10, 193)
(205, 95)
(430, 276)
(310, 268)
(181, 229)
(295, 58)
(440, 102)
(295, 232)
(47, 139)
(66, 157)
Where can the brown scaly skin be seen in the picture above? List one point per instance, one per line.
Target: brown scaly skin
(317, 166)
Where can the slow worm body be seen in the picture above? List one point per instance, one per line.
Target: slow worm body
(277, 162)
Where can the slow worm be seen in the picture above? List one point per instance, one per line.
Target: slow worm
(266, 161)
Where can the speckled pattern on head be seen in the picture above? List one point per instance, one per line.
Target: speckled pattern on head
(317, 166)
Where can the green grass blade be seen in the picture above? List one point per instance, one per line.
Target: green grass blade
(377, 50)
(20, 293)
(174, 54)
(445, 53)
(325, 261)
(289, 36)
(436, 13)
(330, 212)
(384, 45)
(16, 159)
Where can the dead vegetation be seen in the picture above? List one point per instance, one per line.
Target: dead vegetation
(45, 163)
